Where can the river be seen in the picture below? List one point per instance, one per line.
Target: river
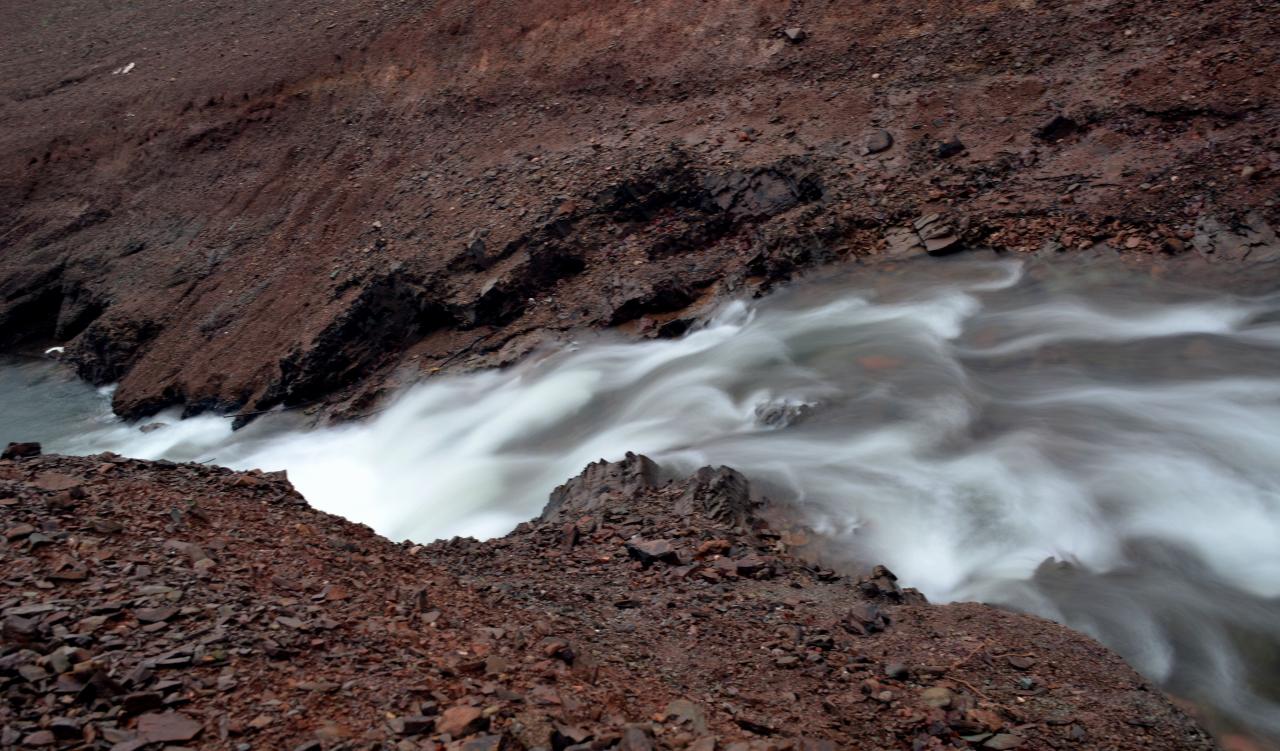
(1093, 442)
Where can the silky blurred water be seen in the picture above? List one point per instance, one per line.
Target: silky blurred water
(1086, 441)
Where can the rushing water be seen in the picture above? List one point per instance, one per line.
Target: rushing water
(1094, 444)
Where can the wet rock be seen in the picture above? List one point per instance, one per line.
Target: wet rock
(599, 482)
(782, 414)
(20, 451)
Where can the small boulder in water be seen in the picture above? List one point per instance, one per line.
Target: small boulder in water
(782, 414)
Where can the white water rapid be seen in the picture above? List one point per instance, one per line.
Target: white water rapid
(1086, 442)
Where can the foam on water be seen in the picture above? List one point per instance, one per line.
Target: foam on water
(1091, 444)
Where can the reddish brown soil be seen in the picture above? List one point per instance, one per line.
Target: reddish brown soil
(286, 202)
(153, 603)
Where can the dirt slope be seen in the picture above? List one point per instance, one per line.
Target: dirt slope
(145, 604)
(237, 205)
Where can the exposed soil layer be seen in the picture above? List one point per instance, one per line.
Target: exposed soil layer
(239, 205)
(150, 603)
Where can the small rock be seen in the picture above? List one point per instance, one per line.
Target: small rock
(1058, 128)
(140, 702)
(948, 149)
(795, 34)
(416, 725)
(462, 721)
(18, 531)
(684, 710)
(1002, 742)
(937, 696)
(39, 738)
(649, 552)
(878, 141)
(865, 618)
(154, 615)
(162, 727)
(565, 736)
(636, 738)
(486, 743)
(897, 671)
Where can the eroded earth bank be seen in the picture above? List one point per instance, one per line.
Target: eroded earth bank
(234, 206)
(152, 603)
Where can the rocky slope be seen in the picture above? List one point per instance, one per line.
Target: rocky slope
(233, 206)
(153, 604)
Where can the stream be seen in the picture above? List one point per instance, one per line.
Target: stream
(1097, 443)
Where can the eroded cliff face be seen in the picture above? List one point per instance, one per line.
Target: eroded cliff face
(240, 205)
(152, 603)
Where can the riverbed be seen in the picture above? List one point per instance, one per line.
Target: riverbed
(1097, 443)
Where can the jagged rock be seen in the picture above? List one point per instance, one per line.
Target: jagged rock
(649, 552)
(764, 191)
(462, 721)
(721, 494)
(588, 492)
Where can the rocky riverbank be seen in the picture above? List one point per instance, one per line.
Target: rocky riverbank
(422, 187)
(151, 604)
